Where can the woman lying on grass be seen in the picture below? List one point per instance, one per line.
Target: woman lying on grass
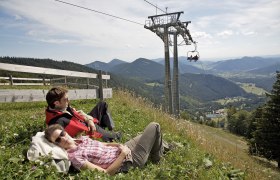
(85, 153)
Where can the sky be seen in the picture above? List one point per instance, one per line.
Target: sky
(52, 29)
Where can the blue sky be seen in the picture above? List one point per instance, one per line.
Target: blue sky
(51, 29)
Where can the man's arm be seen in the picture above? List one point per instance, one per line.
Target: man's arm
(89, 120)
(91, 125)
(63, 121)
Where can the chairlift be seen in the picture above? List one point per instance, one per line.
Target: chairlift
(193, 55)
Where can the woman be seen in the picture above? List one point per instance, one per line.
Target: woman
(85, 153)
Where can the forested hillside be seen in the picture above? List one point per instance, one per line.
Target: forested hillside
(206, 87)
(267, 70)
(98, 65)
(140, 69)
(47, 63)
(197, 90)
(243, 64)
(262, 82)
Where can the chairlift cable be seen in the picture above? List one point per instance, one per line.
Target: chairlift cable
(155, 6)
(99, 12)
(203, 67)
(181, 43)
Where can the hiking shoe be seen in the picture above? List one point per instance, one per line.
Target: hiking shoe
(118, 136)
(170, 146)
(125, 167)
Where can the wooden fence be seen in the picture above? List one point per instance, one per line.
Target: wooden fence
(14, 95)
(24, 81)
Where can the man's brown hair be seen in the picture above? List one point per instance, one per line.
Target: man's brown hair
(55, 94)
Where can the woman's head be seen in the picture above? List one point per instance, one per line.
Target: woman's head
(57, 98)
(50, 130)
(57, 135)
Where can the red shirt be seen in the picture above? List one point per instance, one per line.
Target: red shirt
(93, 151)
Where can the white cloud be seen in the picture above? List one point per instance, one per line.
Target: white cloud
(18, 17)
(225, 33)
(52, 22)
(57, 41)
(249, 33)
(128, 45)
(201, 35)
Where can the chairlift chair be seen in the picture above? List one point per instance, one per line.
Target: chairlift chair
(193, 55)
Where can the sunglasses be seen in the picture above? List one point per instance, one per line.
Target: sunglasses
(62, 134)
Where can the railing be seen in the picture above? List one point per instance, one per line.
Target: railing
(14, 95)
(27, 81)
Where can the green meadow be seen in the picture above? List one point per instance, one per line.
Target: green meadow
(201, 153)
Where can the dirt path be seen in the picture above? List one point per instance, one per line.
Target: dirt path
(224, 137)
(239, 143)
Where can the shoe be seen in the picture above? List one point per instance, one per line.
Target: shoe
(118, 136)
(165, 147)
(170, 146)
(125, 167)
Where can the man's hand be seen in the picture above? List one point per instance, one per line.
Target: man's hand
(91, 126)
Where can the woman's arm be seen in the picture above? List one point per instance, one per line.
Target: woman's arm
(114, 167)
(89, 165)
(112, 144)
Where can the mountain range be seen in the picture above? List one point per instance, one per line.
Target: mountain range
(253, 65)
(201, 83)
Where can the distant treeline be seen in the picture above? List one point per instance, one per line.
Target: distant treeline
(262, 126)
(47, 63)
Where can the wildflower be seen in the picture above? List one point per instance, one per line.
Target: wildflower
(15, 135)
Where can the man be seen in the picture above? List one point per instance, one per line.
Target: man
(75, 122)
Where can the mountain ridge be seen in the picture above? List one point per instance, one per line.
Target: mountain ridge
(143, 77)
(244, 64)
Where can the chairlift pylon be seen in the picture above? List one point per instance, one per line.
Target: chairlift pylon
(193, 55)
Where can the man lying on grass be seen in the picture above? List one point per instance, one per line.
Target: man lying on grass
(111, 158)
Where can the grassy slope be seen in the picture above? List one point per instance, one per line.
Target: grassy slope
(251, 88)
(19, 121)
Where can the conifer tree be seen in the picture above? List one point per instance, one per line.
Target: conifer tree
(255, 118)
(267, 134)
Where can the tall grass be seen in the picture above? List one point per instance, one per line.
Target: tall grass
(226, 147)
(232, 149)
(197, 144)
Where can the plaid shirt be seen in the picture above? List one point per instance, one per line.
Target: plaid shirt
(93, 151)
